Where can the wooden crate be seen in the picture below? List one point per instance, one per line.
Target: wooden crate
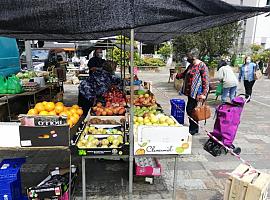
(245, 184)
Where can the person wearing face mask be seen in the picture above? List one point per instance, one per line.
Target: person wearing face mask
(196, 85)
(96, 62)
(247, 74)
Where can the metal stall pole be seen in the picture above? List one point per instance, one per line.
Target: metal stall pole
(131, 114)
(83, 179)
(121, 56)
(175, 177)
(124, 57)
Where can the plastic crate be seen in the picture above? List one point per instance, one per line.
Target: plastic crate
(10, 179)
(178, 110)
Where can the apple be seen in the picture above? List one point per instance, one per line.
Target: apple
(146, 95)
(98, 113)
(105, 142)
(99, 104)
(110, 138)
(104, 113)
(116, 142)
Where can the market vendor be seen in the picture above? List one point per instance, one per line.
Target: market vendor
(98, 82)
(96, 62)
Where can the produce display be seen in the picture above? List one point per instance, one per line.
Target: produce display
(154, 120)
(26, 75)
(114, 98)
(108, 110)
(141, 111)
(93, 137)
(92, 130)
(44, 108)
(106, 121)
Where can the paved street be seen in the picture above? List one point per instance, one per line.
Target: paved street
(200, 175)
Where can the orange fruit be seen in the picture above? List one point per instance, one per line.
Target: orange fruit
(59, 108)
(59, 103)
(73, 119)
(39, 107)
(76, 116)
(63, 114)
(32, 112)
(68, 113)
(52, 112)
(73, 110)
(49, 106)
(75, 106)
(44, 112)
(79, 111)
(70, 123)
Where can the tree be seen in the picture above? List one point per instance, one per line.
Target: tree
(165, 50)
(212, 42)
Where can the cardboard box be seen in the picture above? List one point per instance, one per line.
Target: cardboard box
(9, 134)
(46, 136)
(148, 170)
(169, 140)
(246, 184)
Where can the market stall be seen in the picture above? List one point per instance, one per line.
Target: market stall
(147, 21)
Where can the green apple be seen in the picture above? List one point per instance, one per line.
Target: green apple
(111, 138)
(105, 142)
(116, 142)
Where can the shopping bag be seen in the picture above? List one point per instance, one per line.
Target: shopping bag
(258, 75)
(201, 112)
(219, 89)
(3, 85)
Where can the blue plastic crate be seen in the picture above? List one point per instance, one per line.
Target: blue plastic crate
(178, 110)
(10, 178)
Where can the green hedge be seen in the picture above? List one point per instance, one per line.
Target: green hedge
(151, 62)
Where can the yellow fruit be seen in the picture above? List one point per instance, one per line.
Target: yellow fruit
(79, 111)
(70, 123)
(59, 108)
(39, 107)
(49, 106)
(73, 119)
(59, 104)
(32, 112)
(75, 106)
(44, 103)
(73, 110)
(76, 116)
(44, 112)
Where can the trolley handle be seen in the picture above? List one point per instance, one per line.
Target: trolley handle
(247, 99)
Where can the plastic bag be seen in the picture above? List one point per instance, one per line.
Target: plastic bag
(13, 85)
(219, 89)
(3, 85)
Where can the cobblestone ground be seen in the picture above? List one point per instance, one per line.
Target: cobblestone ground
(200, 175)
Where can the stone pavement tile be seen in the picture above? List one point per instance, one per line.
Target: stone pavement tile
(220, 173)
(191, 184)
(221, 165)
(199, 174)
(181, 194)
(204, 195)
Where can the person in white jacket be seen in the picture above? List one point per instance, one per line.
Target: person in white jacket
(228, 79)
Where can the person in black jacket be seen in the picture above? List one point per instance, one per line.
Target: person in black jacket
(96, 63)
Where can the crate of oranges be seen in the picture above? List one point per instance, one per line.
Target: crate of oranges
(45, 109)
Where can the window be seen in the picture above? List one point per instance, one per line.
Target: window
(268, 2)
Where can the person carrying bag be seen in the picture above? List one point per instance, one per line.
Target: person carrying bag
(196, 82)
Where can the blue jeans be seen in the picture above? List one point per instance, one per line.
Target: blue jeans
(231, 91)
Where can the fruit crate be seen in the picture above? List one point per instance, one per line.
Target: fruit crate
(147, 166)
(122, 149)
(30, 86)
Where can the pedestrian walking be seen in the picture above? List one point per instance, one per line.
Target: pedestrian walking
(228, 80)
(246, 74)
(196, 85)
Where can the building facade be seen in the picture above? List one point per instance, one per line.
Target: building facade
(257, 29)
